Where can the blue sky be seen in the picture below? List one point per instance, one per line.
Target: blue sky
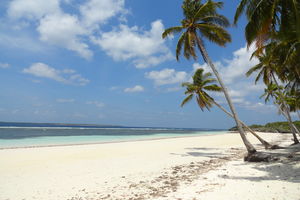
(104, 62)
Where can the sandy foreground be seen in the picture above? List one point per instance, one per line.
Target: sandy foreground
(191, 168)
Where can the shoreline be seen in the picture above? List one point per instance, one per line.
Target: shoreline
(113, 142)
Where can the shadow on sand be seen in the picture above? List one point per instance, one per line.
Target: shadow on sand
(204, 152)
(286, 168)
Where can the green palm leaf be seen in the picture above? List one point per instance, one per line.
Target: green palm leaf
(171, 31)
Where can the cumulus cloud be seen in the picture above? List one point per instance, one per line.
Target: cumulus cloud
(136, 88)
(233, 71)
(4, 65)
(96, 12)
(96, 103)
(64, 30)
(32, 9)
(44, 71)
(59, 28)
(145, 48)
(242, 90)
(80, 28)
(167, 76)
(235, 68)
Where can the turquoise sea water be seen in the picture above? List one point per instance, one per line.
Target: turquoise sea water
(43, 136)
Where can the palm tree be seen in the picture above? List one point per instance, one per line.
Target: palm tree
(294, 101)
(202, 21)
(275, 23)
(274, 91)
(203, 82)
(269, 19)
(268, 70)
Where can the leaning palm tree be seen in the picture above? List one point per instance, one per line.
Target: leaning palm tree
(268, 70)
(202, 21)
(273, 91)
(203, 83)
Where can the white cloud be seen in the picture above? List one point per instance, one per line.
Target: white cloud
(44, 71)
(4, 65)
(242, 90)
(64, 30)
(78, 79)
(235, 68)
(77, 30)
(232, 72)
(65, 100)
(96, 103)
(96, 12)
(136, 88)
(167, 76)
(145, 48)
(32, 9)
(260, 107)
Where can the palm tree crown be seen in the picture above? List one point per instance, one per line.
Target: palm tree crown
(202, 82)
(199, 19)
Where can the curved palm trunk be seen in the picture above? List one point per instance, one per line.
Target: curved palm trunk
(292, 126)
(249, 146)
(286, 114)
(263, 142)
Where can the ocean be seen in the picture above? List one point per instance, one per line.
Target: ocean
(32, 135)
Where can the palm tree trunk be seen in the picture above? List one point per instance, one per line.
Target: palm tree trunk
(289, 119)
(249, 146)
(286, 113)
(263, 142)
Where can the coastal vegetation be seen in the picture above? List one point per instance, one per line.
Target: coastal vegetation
(274, 27)
(273, 127)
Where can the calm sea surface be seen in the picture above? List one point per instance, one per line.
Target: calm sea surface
(44, 136)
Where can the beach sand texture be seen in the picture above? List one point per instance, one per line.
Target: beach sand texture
(202, 167)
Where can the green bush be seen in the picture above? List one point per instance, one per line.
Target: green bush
(277, 127)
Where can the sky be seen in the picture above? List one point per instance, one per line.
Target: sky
(104, 62)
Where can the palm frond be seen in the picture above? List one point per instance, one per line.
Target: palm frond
(214, 33)
(214, 88)
(172, 30)
(179, 45)
(240, 9)
(216, 19)
(253, 69)
(187, 99)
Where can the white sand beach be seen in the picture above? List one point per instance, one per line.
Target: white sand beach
(191, 168)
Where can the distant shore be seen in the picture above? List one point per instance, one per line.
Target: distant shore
(162, 169)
